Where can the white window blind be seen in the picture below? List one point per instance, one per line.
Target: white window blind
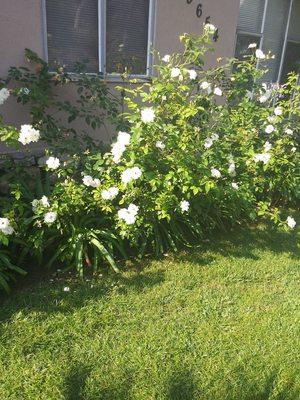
(127, 36)
(113, 35)
(72, 32)
(251, 15)
(274, 33)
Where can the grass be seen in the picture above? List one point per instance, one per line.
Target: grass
(221, 322)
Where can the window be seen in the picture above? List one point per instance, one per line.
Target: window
(273, 25)
(113, 35)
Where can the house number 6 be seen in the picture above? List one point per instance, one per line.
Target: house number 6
(198, 9)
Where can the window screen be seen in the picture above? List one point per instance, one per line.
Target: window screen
(72, 32)
(127, 36)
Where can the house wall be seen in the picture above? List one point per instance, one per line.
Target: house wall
(21, 26)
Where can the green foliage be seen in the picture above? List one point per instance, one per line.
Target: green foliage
(43, 89)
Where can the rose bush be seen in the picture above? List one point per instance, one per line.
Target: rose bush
(204, 149)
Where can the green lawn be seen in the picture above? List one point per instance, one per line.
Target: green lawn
(221, 322)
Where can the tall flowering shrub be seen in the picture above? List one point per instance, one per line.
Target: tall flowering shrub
(204, 149)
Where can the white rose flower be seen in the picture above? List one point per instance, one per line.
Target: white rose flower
(28, 134)
(166, 58)
(210, 28)
(110, 193)
(4, 95)
(215, 173)
(260, 54)
(147, 115)
(288, 131)
(50, 217)
(208, 143)
(267, 146)
(53, 162)
(218, 91)
(118, 148)
(44, 201)
(117, 151)
(263, 157)
(231, 169)
(278, 111)
(175, 72)
(160, 145)
(133, 209)
(210, 140)
(291, 222)
(66, 289)
(5, 226)
(193, 74)
(123, 138)
(263, 98)
(266, 158)
(89, 181)
(215, 137)
(252, 46)
(131, 174)
(235, 186)
(184, 205)
(128, 214)
(293, 149)
(205, 85)
(4, 223)
(269, 129)
(9, 230)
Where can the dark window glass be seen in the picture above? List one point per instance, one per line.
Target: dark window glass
(72, 32)
(242, 43)
(291, 60)
(127, 36)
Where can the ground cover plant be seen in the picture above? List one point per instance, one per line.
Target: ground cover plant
(198, 150)
(217, 323)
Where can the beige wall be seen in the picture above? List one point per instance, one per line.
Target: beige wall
(21, 25)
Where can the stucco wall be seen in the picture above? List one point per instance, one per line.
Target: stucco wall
(21, 25)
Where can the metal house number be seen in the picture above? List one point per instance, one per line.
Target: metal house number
(199, 12)
(198, 9)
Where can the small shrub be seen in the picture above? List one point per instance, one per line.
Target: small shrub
(204, 149)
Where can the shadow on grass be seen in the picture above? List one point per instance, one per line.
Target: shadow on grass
(181, 385)
(49, 298)
(76, 386)
(271, 388)
(75, 382)
(243, 243)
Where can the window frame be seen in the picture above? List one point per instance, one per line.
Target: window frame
(261, 35)
(102, 41)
